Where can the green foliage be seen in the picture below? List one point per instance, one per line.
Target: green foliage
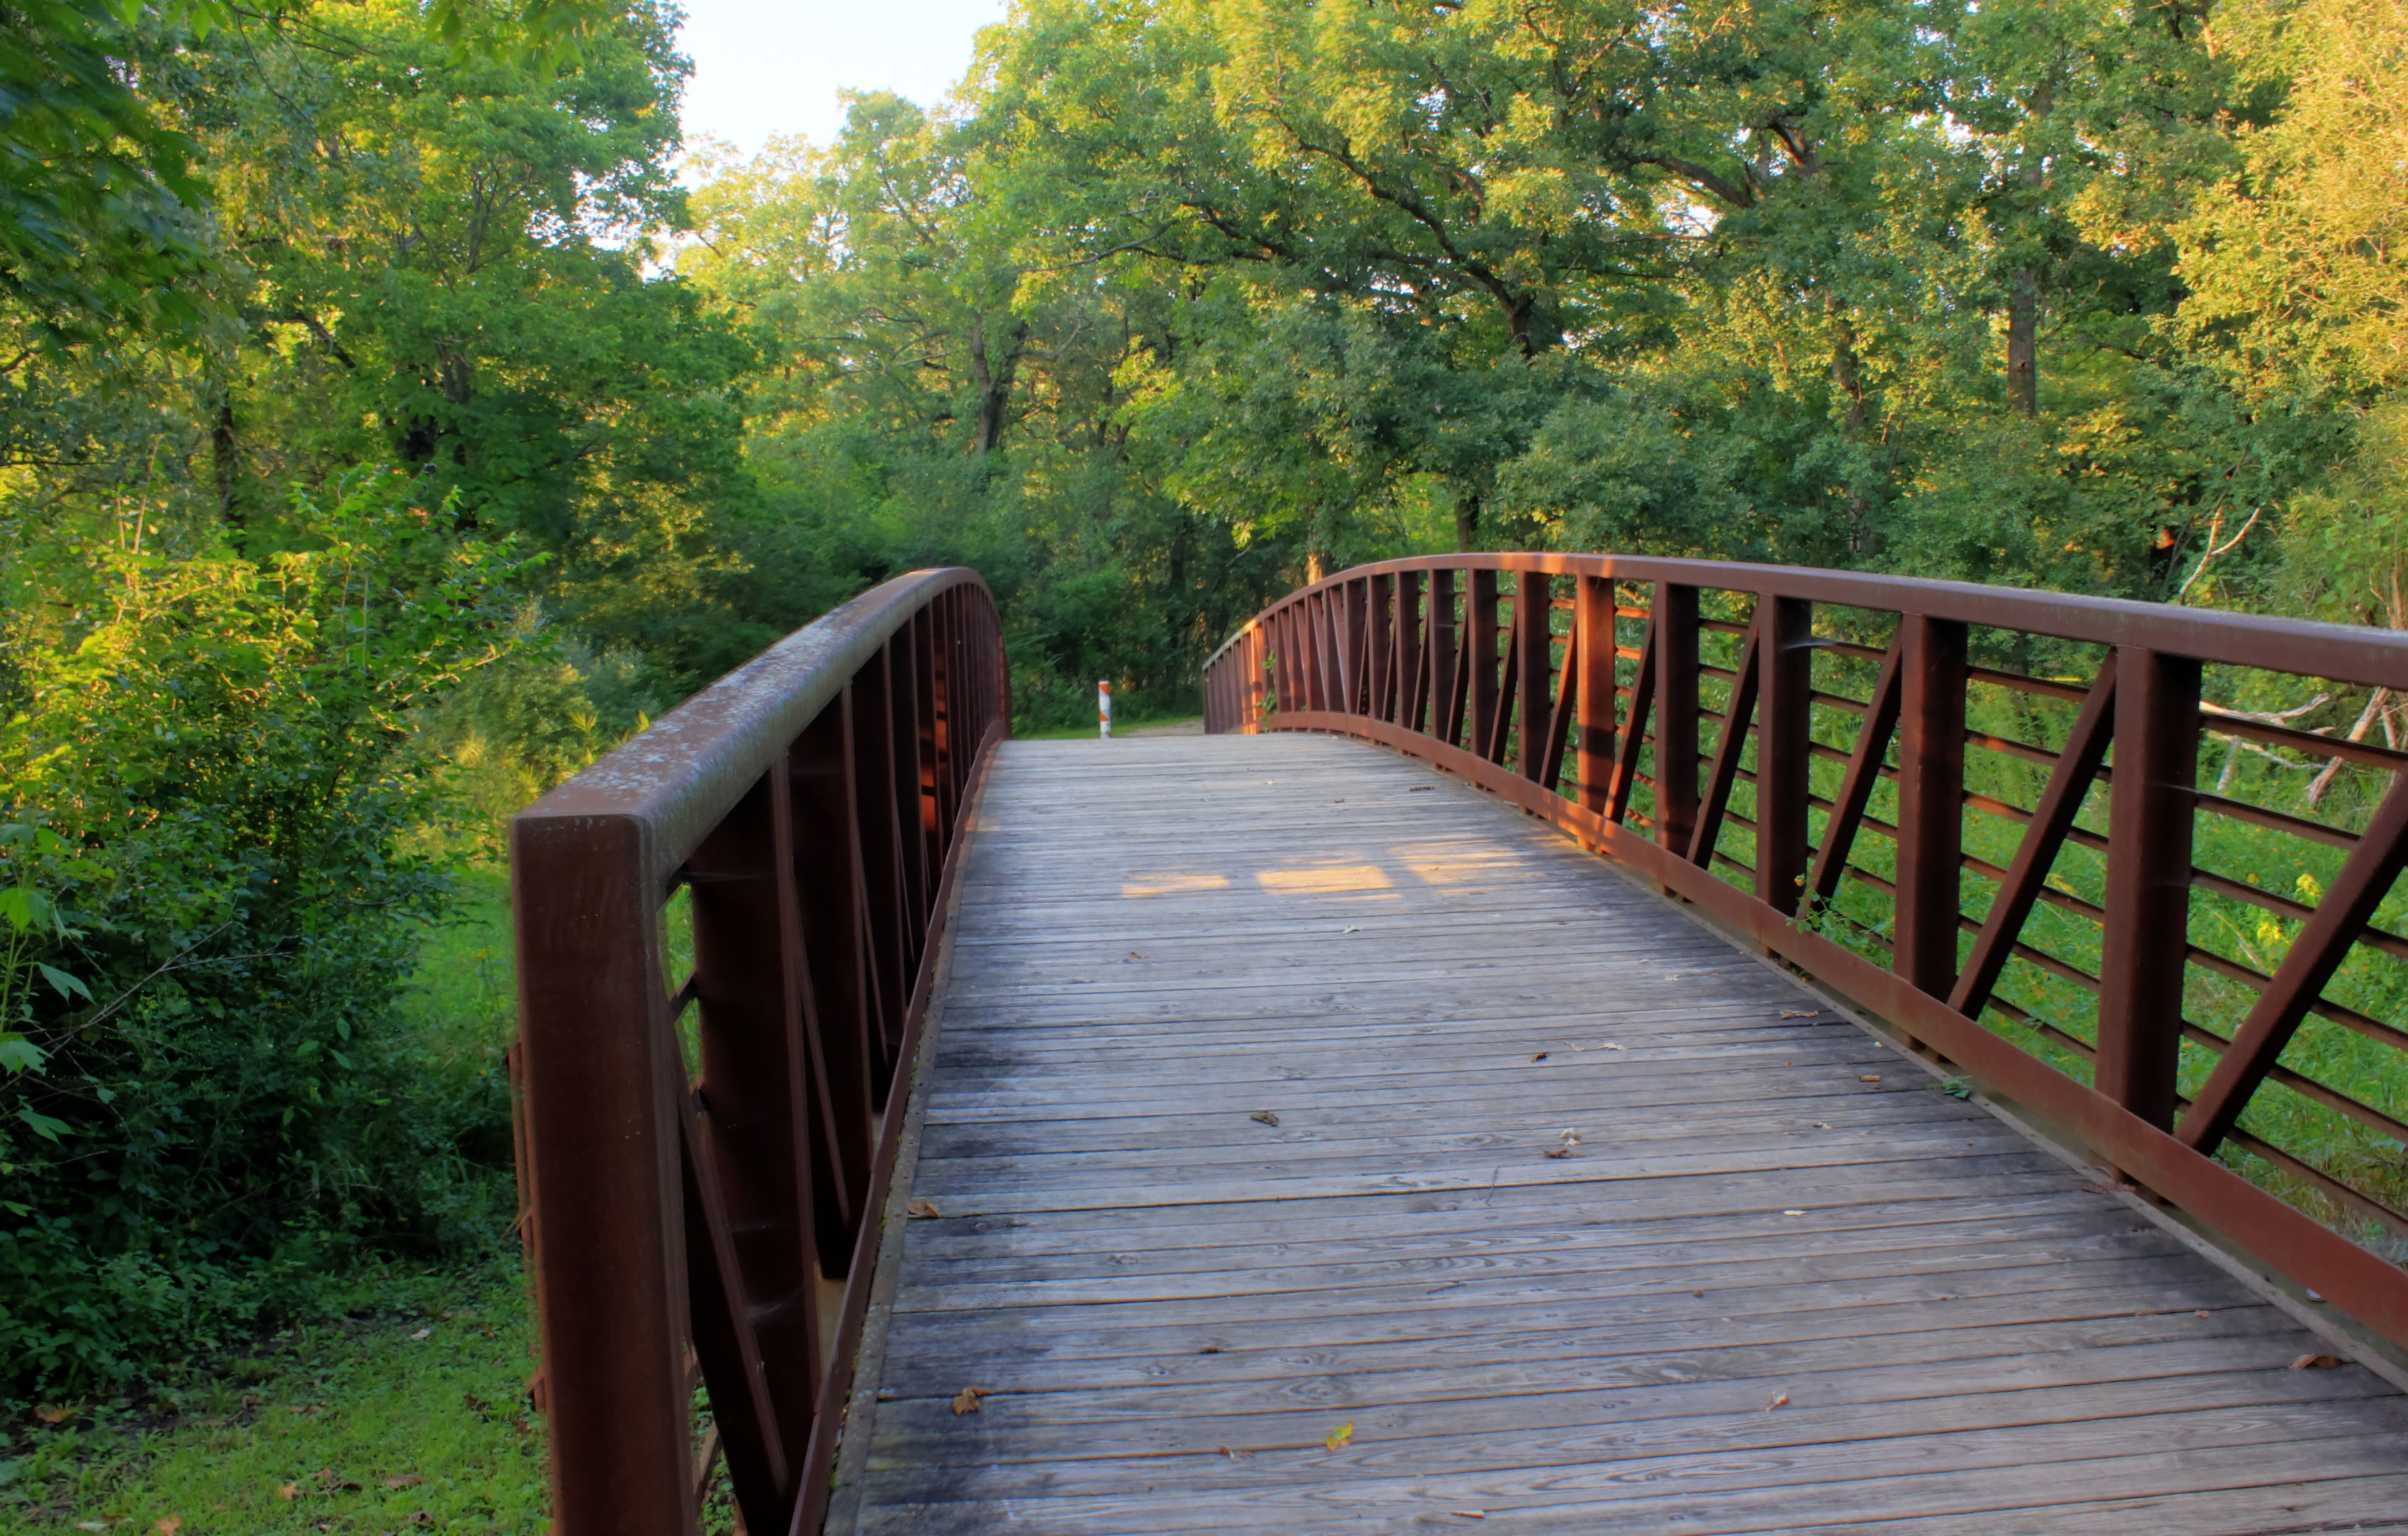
(224, 1102)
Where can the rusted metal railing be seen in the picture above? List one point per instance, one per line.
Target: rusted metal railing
(709, 1153)
(2190, 983)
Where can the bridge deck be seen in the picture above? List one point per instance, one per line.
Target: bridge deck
(1779, 1282)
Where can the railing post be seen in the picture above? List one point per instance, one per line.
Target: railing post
(881, 848)
(826, 854)
(602, 1080)
(1411, 686)
(1257, 685)
(1315, 654)
(1593, 741)
(1675, 627)
(1381, 685)
(1534, 615)
(1445, 656)
(1485, 659)
(1930, 799)
(925, 759)
(2151, 800)
(903, 754)
(1358, 647)
(750, 978)
(1784, 748)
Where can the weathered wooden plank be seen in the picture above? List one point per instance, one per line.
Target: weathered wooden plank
(1159, 938)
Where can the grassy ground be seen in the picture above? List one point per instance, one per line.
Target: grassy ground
(1122, 728)
(409, 1414)
(403, 1408)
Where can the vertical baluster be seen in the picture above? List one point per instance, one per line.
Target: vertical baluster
(2151, 799)
(1412, 687)
(1358, 647)
(1674, 631)
(925, 759)
(1930, 799)
(1379, 702)
(1534, 611)
(882, 848)
(1593, 742)
(943, 678)
(903, 789)
(1485, 631)
(1445, 658)
(1336, 664)
(1289, 674)
(1783, 743)
(825, 858)
(1258, 679)
(751, 969)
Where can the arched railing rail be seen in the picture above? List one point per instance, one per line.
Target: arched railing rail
(2128, 866)
(705, 1155)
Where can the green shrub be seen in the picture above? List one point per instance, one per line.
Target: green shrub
(212, 1103)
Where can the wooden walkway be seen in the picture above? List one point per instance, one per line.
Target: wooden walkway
(1317, 1145)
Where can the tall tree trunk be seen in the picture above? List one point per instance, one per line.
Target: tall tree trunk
(224, 449)
(2022, 343)
(1467, 521)
(2023, 291)
(1847, 375)
(994, 386)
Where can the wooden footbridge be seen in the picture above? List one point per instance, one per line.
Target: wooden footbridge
(1429, 1103)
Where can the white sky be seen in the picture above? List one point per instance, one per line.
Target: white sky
(774, 66)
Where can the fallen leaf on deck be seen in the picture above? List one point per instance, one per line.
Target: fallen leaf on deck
(1209, 1349)
(1356, 929)
(1870, 1077)
(922, 1208)
(966, 1400)
(1779, 1399)
(1267, 1117)
(1421, 788)
(1134, 955)
(1697, 1293)
(1822, 1125)
(1541, 1057)
(1607, 1045)
(2200, 1313)
(404, 1480)
(1793, 1212)
(1559, 1152)
(2315, 1362)
(1799, 1013)
(1340, 1437)
(1230, 1454)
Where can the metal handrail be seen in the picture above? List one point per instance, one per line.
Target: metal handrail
(1459, 660)
(704, 1191)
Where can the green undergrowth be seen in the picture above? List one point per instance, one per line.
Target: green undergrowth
(1087, 729)
(407, 1413)
(270, 1434)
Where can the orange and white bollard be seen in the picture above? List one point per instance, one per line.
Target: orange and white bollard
(1104, 711)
